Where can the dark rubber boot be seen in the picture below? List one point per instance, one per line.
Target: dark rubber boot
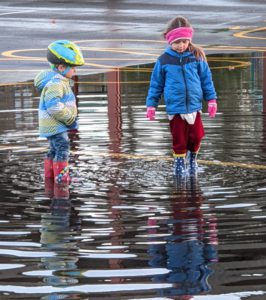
(193, 162)
(179, 166)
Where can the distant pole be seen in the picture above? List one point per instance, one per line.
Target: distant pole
(114, 109)
(113, 195)
(264, 81)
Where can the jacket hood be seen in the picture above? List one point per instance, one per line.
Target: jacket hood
(171, 52)
(44, 77)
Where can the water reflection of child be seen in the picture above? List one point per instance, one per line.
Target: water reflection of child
(57, 108)
(56, 236)
(189, 250)
(183, 75)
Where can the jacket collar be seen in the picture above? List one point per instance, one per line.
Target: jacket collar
(171, 52)
(60, 76)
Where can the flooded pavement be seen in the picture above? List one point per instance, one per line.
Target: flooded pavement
(126, 228)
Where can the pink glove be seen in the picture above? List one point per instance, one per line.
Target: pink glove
(150, 114)
(212, 108)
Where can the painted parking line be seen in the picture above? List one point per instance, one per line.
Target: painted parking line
(168, 158)
(245, 34)
(139, 53)
(138, 157)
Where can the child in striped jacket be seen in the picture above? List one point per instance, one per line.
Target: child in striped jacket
(57, 108)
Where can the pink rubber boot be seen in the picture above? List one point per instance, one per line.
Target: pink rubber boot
(61, 172)
(48, 168)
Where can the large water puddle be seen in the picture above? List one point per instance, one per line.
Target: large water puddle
(125, 228)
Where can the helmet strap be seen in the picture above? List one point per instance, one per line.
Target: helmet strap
(67, 69)
(55, 68)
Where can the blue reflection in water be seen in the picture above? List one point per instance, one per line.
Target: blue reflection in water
(192, 245)
(126, 231)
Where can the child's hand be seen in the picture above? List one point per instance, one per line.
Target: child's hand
(73, 125)
(150, 114)
(212, 108)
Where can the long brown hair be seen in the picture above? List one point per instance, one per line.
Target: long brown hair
(180, 21)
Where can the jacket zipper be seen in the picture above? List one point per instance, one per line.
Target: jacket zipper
(185, 82)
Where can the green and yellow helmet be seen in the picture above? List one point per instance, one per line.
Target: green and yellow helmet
(65, 52)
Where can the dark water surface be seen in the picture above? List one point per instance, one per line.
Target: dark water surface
(125, 228)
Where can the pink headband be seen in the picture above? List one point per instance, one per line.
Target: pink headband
(179, 33)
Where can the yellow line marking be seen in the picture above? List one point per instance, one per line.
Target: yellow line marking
(238, 64)
(167, 158)
(147, 59)
(143, 157)
(235, 27)
(233, 164)
(15, 83)
(118, 50)
(122, 40)
(243, 34)
(106, 68)
(228, 58)
(12, 53)
(235, 48)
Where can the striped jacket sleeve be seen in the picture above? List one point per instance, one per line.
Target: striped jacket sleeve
(55, 102)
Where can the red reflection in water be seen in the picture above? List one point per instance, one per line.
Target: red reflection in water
(115, 132)
(114, 109)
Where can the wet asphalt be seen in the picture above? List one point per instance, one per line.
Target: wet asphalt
(119, 32)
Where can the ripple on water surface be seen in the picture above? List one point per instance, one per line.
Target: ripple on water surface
(126, 228)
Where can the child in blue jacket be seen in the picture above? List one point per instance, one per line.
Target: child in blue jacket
(57, 108)
(184, 78)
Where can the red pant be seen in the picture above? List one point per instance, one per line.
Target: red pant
(186, 137)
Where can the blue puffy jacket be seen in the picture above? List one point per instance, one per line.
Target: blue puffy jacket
(183, 79)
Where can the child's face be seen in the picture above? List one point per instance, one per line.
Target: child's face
(70, 73)
(180, 45)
